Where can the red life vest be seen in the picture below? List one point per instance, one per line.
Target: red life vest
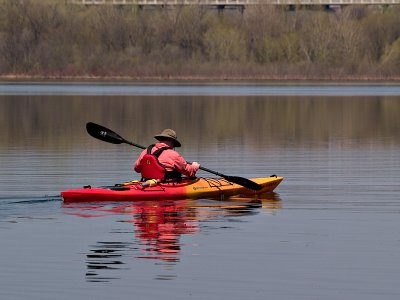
(150, 167)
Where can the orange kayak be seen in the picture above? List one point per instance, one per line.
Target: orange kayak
(152, 190)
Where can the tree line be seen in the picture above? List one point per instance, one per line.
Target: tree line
(54, 38)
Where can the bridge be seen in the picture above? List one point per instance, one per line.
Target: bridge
(235, 2)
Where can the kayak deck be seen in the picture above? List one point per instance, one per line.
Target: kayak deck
(187, 189)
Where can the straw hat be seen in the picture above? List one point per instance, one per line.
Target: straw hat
(168, 134)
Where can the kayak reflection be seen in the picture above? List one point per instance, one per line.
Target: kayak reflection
(158, 227)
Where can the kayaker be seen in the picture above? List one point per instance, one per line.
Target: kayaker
(161, 161)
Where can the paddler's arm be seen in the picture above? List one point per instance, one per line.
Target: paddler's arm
(184, 168)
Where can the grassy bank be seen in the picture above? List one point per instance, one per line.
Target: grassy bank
(54, 39)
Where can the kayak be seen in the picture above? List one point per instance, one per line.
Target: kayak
(154, 190)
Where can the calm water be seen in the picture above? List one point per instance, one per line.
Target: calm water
(331, 230)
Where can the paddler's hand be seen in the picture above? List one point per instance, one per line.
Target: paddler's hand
(196, 165)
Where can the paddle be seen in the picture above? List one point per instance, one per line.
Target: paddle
(107, 135)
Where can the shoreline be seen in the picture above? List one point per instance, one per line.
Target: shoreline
(202, 79)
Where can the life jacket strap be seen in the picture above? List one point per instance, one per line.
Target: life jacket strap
(158, 152)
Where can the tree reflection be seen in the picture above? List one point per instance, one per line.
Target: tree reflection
(257, 122)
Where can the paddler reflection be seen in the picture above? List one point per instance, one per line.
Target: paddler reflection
(159, 225)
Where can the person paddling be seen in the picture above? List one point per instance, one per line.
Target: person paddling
(160, 161)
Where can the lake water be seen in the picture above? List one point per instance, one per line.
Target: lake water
(331, 230)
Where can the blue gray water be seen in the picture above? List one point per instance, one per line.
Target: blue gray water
(330, 231)
(189, 89)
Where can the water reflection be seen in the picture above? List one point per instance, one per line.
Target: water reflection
(256, 122)
(158, 227)
(105, 256)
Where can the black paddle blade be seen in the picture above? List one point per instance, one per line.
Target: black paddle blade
(247, 183)
(104, 134)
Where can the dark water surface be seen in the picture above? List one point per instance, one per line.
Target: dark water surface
(330, 231)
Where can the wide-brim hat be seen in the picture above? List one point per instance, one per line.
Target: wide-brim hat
(168, 134)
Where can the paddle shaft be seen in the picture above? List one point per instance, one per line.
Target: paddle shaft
(133, 144)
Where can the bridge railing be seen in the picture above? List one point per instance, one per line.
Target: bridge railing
(234, 2)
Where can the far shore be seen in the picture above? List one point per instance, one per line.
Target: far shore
(52, 41)
(200, 79)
